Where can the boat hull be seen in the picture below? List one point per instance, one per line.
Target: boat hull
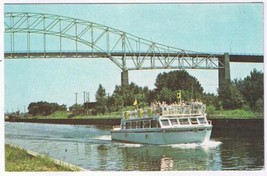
(163, 135)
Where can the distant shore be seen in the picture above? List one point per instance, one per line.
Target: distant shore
(249, 124)
(211, 114)
(102, 121)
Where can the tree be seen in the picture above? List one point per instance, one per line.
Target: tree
(115, 103)
(125, 95)
(259, 106)
(77, 107)
(44, 108)
(211, 100)
(166, 95)
(252, 88)
(177, 80)
(101, 100)
(230, 97)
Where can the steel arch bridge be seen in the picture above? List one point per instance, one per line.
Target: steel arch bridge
(38, 35)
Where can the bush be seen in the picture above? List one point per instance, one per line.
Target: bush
(211, 109)
(259, 106)
(231, 97)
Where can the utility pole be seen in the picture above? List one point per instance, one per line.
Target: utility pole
(76, 99)
(108, 101)
(84, 99)
(87, 100)
(88, 96)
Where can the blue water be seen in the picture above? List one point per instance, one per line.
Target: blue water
(91, 147)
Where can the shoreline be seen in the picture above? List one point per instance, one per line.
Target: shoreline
(36, 155)
(103, 121)
(249, 124)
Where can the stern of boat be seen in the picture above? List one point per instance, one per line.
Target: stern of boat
(116, 128)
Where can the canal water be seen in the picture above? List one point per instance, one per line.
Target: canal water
(91, 147)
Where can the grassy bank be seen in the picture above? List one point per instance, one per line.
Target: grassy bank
(19, 160)
(234, 114)
(66, 115)
(212, 113)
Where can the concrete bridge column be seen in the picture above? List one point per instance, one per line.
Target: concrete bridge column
(124, 78)
(224, 73)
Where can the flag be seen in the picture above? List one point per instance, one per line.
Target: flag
(135, 102)
(179, 94)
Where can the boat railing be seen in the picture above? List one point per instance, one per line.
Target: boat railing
(170, 110)
(139, 113)
(192, 109)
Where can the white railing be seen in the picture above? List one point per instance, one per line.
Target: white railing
(193, 109)
(168, 110)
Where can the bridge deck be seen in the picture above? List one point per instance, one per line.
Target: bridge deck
(233, 57)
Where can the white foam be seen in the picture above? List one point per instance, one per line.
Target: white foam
(104, 137)
(205, 144)
(129, 144)
(211, 144)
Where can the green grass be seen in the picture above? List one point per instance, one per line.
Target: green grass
(65, 115)
(212, 113)
(19, 160)
(235, 114)
(109, 116)
(59, 114)
(55, 115)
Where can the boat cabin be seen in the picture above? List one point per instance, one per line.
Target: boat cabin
(165, 117)
(163, 122)
(167, 124)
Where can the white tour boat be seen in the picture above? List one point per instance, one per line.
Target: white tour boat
(165, 124)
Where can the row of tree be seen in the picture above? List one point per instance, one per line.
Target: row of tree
(166, 84)
(246, 93)
(43, 108)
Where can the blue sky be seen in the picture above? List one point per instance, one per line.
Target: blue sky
(216, 28)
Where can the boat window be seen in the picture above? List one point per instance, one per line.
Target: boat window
(133, 125)
(146, 124)
(123, 125)
(128, 125)
(174, 121)
(139, 124)
(202, 120)
(184, 121)
(154, 124)
(194, 121)
(165, 122)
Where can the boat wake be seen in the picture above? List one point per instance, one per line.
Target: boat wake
(130, 145)
(103, 137)
(209, 144)
(205, 144)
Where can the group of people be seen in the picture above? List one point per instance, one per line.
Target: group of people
(158, 104)
(177, 107)
(163, 108)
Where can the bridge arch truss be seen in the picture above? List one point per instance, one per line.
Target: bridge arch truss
(38, 35)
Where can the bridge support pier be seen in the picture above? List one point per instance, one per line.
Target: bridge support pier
(124, 78)
(224, 73)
